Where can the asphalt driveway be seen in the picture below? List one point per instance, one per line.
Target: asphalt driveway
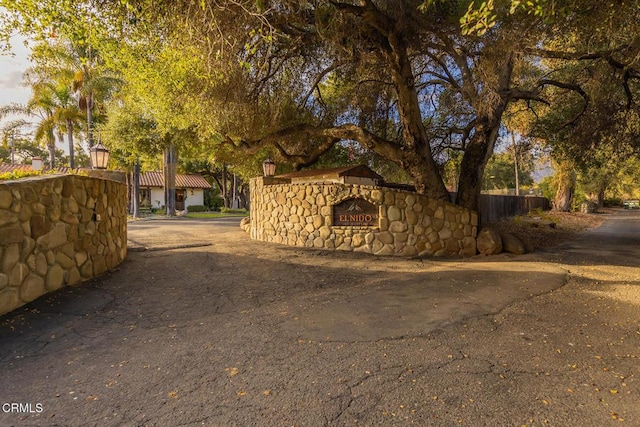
(202, 326)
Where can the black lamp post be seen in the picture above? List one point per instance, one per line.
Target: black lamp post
(268, 167)
(99, 156)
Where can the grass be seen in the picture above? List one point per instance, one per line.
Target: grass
(215, 215)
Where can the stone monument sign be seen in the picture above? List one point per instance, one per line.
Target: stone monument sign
(355, 212)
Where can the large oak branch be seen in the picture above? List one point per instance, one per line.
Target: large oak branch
(385, 148)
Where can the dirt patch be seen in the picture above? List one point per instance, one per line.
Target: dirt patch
(547, 229)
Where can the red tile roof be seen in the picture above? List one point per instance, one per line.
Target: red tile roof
(156, 179)
(147, 179)
(357, 170)
(11, 167)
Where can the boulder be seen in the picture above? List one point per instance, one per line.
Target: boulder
(512, 244)
(489, 242)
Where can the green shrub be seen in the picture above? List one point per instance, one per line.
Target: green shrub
(215, 204)
(9, 176)
(613, 201)
(19, 174)
(233, 211)
(196, 208)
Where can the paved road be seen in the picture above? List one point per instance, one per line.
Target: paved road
(207, 327)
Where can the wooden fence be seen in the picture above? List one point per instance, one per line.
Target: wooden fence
(493, 208)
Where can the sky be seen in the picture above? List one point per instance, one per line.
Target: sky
(11, 70)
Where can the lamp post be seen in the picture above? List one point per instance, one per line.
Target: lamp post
(99, 156)
(268, 167)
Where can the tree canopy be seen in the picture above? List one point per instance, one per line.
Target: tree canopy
(408, 81)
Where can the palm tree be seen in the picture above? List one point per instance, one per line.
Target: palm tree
(66, 115)
(81, 67)
(9, 132)
(40, 106)
(74, 76)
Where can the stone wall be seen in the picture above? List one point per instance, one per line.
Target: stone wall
(407, 223)
(57, 231)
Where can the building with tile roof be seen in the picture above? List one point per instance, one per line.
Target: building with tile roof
(189, 190)
(14, 167)
(357, 175)
(189, 187)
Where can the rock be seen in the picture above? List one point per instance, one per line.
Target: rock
(512, 244)
(398, 227)
(55, 278)
(394, 214)
(7, 218)
(11, 257)
(41, 264)
(32, 288)
(18, 274)
(386, 237)
(11, 234)
(489, 242)
(377, 196)
(325, 232)
(73, 276)
(5, 199)
(9, 300)
(53, 239)
(527, 245)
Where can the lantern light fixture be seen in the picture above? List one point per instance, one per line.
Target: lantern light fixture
(99, 156)
(269, 167)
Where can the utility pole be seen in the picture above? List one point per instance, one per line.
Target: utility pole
(515, 161)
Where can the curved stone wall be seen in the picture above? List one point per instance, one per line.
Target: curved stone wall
(405, 224)
(57, 231)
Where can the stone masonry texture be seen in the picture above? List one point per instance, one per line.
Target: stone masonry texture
(57, 231)
(409, 224)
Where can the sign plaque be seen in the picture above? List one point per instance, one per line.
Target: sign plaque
(355, 212)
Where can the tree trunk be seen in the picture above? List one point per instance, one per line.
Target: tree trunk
(224, 188)
(566, 177)
(417, 158)
(601, 198)
(486, 127)
(170, 161)
(135, 194)
(71, 146)
(90, 120)
(474, 160)
(52, 155)
(515, 162)
(234, 203)
(597, 197)
(128, 176)
(243, 197)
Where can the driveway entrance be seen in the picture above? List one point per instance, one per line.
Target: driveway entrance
(207, 327)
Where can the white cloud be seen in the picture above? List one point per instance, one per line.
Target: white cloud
(11, 80)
